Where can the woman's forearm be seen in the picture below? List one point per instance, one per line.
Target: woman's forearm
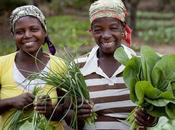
(5, 105)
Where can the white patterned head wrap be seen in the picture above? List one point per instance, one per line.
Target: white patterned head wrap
(27, 10)
(107, 8)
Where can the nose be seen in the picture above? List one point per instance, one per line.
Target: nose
(27, 34)
(106, 35)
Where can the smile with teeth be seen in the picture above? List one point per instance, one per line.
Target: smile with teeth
(29, 43)
(108, 43)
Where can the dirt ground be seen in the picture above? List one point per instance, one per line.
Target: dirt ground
(165, 49)
(160, 48)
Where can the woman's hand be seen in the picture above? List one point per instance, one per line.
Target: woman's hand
(84, 109)
(23, 101)
(144, 119)
(44, 105)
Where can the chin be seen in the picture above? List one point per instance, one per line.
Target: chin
(30, 51)
(107, 52)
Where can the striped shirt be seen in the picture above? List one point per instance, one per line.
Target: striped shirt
(109, 94)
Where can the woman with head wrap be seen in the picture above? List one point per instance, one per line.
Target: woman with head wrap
(29, 30)
(103, 73)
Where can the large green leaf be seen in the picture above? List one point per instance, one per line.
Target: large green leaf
(144, 89)
(148, 60)
(151, 80)
(170, 110)
(121, 56)
(167, 95)
(157, 111)
(27, 126)
(164, 124)
(163, 99)
(173, 87)
(158, 102)
(131, 75)
(164, 72)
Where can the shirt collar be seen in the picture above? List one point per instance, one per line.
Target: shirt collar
(91, 64)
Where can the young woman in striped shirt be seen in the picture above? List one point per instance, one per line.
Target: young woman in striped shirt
(103, 73)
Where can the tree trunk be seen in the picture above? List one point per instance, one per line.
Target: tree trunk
(35, 2)
(131, 6)
(91, 1)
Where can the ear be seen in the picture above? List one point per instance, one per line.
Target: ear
(89, 30)
(46, 34)
(123, 35)
(45, 37)
(91, 33)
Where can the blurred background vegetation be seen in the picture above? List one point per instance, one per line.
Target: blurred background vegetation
(153, 23)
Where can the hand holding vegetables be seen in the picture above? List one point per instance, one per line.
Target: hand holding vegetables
(22, 101)
(84, 110)
(144, 119)
(43, 105)
(73, 84)
(151, 80)
(85, 113)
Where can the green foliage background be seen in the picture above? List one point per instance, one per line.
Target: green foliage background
(71, 32)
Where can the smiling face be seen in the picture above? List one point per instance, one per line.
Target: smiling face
(108, 33)
(29, 34)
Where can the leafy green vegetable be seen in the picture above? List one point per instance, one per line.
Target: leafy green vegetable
(163, 73)
(73, 84)
(145, 89)
(121, 56)
(164, 124)
(26, 126)
(28, 119)
(131, 75)
(148, 60)
(151, 80)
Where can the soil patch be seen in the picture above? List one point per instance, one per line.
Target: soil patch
(165, 49)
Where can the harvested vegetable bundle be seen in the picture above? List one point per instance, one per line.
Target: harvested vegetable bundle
(28, 119)
(151, 80)
(73, 84)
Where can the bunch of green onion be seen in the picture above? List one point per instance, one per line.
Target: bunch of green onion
(28, 119)
(73, 84)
